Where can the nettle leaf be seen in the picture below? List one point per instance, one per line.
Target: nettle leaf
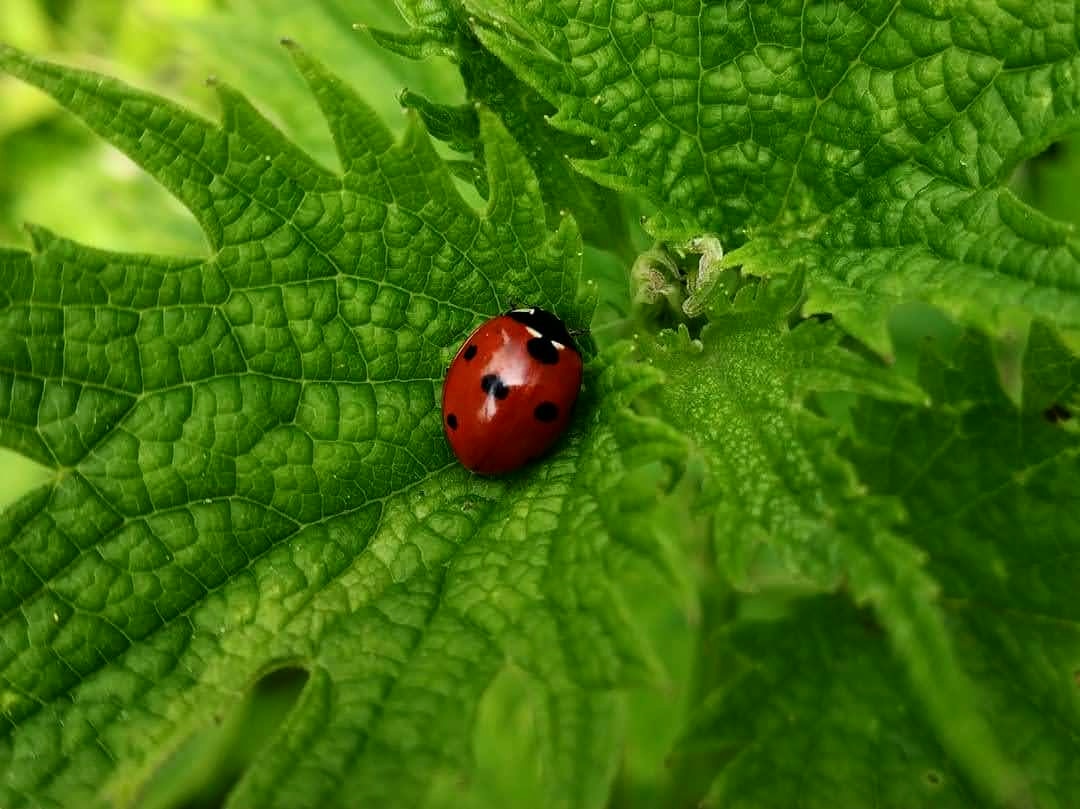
(247, 471)
(443, 28)
(813, 706)
(869, 144)
(540, 749)
(790, 515)
(990, 490)
(232, 39)
(741, 391)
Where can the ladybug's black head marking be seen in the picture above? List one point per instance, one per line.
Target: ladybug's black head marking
(492, 385)
(1057, 413)
(543, 350)
(548, 325)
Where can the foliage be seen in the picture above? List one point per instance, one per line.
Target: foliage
(810, 540)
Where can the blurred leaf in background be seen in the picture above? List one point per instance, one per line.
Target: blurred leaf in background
(55, 173)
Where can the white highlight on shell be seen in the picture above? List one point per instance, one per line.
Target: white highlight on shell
(533, 332)
(558, 345)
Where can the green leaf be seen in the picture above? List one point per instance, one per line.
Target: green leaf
(990, 494)
(867, 144)
(535, 747)
(235, 42)
(790, 515)
(813, 713)
(55, 173)
(58, 175)
(247, 471)
(741, 390)
(849, 570)
(444, 28)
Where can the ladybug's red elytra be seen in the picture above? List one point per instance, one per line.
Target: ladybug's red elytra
(510, 390)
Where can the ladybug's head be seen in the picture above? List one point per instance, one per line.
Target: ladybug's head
(543, 321)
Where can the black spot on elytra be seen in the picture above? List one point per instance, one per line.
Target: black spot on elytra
(870, 623)
(1052, 152)
(493, 386)
(541, 350)
(546, 411)
(1057, 413)
(451, 420)
(470, 352)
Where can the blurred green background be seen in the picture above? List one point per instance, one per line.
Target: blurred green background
(56, 174)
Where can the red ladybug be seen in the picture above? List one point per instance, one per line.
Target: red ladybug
(510, 390)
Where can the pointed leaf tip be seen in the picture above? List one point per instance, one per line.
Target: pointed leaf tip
(41, 237)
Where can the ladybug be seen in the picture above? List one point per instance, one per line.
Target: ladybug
(510, 391)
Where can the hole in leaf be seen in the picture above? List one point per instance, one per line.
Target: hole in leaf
(202, 772)
(1057, 413)
(870, 623)
(20, 475)
(1048, 180)
(1051, 152)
